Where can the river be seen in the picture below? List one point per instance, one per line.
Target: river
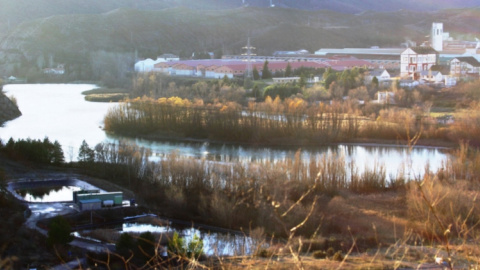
(59, 112)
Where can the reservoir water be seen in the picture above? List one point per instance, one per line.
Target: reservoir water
(59, 112)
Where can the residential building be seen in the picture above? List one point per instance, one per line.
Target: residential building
(381, 75)
(417, 59)
(464, 66)
(432, 76)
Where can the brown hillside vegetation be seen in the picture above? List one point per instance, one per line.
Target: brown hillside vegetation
(314, 208)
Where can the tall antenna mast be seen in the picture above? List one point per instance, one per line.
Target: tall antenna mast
(249, 55)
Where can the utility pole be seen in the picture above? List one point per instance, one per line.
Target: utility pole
(248, 53)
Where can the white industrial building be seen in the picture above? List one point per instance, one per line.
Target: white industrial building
(148, 64)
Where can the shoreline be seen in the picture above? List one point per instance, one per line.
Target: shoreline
(425, 143)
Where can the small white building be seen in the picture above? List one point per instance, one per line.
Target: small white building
(466, 65)
(432, 76)
(380, 74)
(148, 64)
(450, 81)
(286, 80)
(409, 83)
(59, 70)
(417, 59)
(385, 97)
(92, 204)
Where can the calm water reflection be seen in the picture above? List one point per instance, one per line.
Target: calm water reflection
(214, 243)
(48, 194)
(60, 112)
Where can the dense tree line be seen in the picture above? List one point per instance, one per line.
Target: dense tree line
(160, 86)
(40, 151)
(292, 119)
(282, 90)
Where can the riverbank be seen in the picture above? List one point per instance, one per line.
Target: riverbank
(374, 230)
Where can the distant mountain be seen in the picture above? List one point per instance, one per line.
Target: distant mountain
(357, 6)
(13, 12)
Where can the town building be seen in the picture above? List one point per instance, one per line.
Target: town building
(219, 68)
(284, 80)
(417, 59)
(382, 75)
(432, 76)
(59, 70)
(437, 36)
(464, 66)
(380, 58)
(148, 64)
(94, 199)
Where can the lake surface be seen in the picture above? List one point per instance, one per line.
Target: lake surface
(56, 111)
(214, 243)
(48, 194)
(60, 112)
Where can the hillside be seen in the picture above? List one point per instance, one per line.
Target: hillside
(80, 40)
(15, 12)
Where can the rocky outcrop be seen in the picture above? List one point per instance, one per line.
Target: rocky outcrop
(8, 109)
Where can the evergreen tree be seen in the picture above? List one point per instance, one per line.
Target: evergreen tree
(331, 77)
(59, 231)
(288, 71)
(218, 54)
(86, 154)
(266, 74)
(225, 80)
(375, 82)
(125, 244)
(303, 81)
(255, 73)
(146, 245)
(57, 153)
(256, 92)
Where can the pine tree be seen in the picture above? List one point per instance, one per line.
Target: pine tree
(288, 71)
(375, 82)
(57, 153)
(86, 154)
(255, 74)
(59, 231)
(266, 74)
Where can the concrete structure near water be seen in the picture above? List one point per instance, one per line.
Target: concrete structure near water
(93, 199)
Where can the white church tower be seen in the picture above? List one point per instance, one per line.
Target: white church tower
(437, 36)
